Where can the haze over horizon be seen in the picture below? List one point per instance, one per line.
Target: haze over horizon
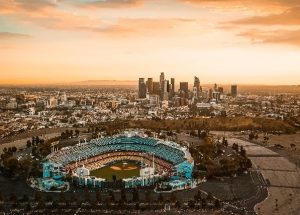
(221, 41)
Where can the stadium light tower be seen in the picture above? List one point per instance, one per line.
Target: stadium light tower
(153, 162)
(79, 140)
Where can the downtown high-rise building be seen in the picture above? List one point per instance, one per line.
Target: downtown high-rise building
(162, 84)
(172, 90)
(161, 78)
(142, 88)
(156, 88)
(150, 85)
(234, 90)
(184, 86)
(196, 89)
(166, 90)
(184, 89)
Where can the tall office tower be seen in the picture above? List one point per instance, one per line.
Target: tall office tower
(184, 87)
(210, 93)
(150, 85)
(156, 88)
(167, 86)
(161, 82)
(171, 94)
(215, 87)
(173, 85)
(195, 95)
(166, 89)
(197, 86)
(142, 88)
(234, 90)
(161, 78)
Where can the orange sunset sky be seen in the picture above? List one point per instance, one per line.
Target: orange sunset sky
(222, 41)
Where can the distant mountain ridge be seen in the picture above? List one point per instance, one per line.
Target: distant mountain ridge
(105, 82)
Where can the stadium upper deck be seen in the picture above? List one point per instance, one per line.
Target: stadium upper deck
(168, 151)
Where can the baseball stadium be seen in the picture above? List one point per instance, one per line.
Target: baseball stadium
(131, 158)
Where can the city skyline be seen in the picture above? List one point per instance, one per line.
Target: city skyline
(226, 42)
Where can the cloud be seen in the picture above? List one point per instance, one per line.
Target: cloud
(277, 21)
(291, 37)
(34, 4)
(10, 6)
(46, 14)
(105, 3)
(273, 28)
(288, 17)
(10, 35)
(50, 16)
(245, 3)
(129, 27)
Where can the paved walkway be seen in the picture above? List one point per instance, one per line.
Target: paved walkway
(282, 177)
(21, 143)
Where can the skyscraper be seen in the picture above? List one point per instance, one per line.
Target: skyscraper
(166, 90)
(234, 90)
(184, 88)
(161, 78)
(210, 93)
(197, 86)
(142, 88)
(150, 85)
(215, 87)
(161, 82)
(172, 91)
(156, 88)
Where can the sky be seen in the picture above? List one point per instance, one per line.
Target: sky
(221, 41)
